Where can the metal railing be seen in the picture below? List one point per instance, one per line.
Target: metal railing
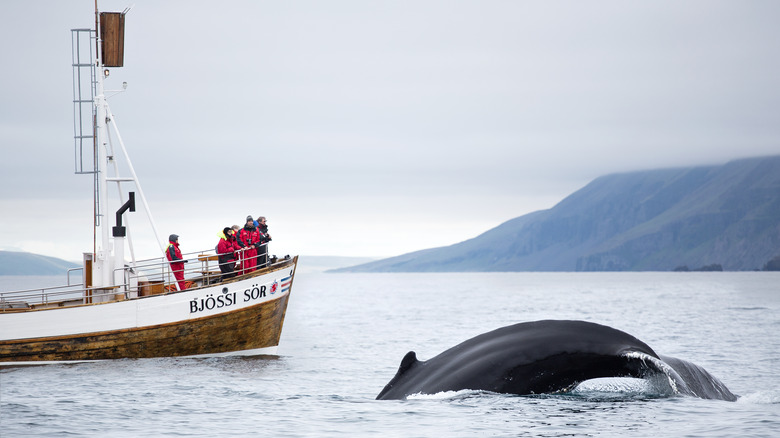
(25, 299)
(199, 266)
(147, 277)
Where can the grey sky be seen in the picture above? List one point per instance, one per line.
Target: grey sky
(378, 128)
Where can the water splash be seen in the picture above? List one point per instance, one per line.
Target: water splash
(771, 397)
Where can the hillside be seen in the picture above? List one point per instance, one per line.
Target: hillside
(23, 263)
(650, 220)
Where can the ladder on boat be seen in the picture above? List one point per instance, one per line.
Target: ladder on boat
(83, 42)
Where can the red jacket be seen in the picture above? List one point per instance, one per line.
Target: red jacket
(248, 237)
(173, 253)
(225, 250)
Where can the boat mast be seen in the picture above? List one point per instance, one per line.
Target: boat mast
(108, 256)
(102, 265)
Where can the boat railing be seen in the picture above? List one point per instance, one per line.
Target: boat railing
(41, 297)
(200, 268)
(74, 270)
(147, 277)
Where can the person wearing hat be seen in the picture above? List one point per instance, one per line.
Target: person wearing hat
(262, 250)
(174, 257)
(248, 239)
(237, 229)
(226, 249)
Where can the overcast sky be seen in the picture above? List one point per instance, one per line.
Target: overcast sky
(375, 128)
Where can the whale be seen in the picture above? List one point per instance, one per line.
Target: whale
(547, 357)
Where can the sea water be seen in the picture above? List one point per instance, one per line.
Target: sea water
(345, 335)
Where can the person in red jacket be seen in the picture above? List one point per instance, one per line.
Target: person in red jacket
(226, 251)
(248, 239)
(174, 257)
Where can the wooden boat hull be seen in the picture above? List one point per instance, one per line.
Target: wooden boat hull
(248, 321)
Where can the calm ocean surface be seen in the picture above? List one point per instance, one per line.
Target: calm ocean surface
(345, 335)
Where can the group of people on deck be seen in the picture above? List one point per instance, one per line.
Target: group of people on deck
(243, 249)
(239, 251)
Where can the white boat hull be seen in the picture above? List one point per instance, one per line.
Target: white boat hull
(234, 318)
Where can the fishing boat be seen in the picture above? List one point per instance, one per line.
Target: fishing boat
(115, 307)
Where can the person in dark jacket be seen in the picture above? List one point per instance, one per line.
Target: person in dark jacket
(226, 251)
(262, 250)
(174, 257)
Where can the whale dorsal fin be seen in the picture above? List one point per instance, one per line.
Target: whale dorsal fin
(407, 362)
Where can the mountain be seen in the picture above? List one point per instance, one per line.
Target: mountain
(655, 220)
(24, 263)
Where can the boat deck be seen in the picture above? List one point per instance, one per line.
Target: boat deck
(147, 278)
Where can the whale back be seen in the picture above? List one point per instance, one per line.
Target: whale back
(525, 358)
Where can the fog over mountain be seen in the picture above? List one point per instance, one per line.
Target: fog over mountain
(23, 263)
(727, 215)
